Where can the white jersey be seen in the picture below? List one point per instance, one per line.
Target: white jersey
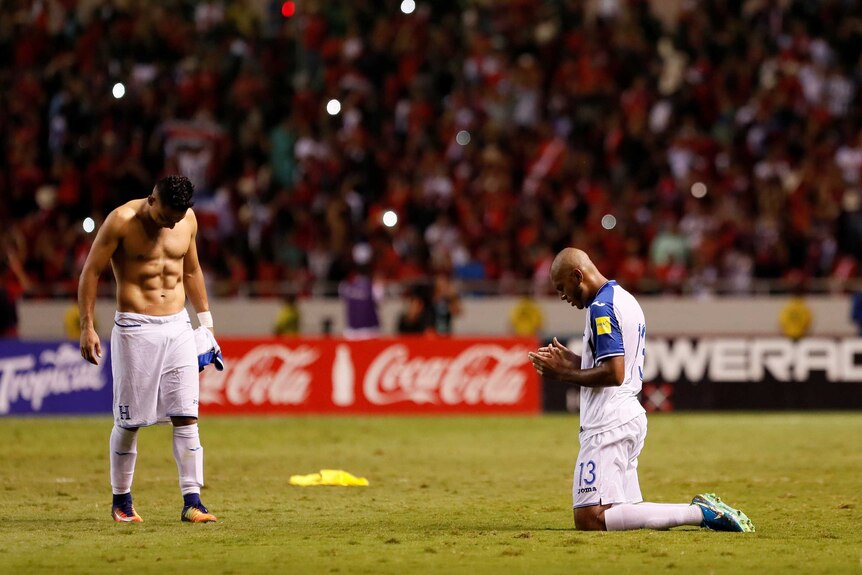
(615, 326)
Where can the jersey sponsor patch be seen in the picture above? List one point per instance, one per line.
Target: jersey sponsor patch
(603, 325)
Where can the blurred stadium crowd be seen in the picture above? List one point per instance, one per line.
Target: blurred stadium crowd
(701, 157)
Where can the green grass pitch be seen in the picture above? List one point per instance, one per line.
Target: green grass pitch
(448, 495)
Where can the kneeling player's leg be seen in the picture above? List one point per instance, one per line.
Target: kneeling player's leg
(626, 516)
(589, 485)
(590, 518)
(604, 474)
(631, 513)
(651, 516)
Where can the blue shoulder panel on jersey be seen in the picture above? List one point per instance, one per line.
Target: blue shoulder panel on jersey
(606, 328)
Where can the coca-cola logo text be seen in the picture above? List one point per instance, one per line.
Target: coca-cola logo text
(273, 374)
(481, 373)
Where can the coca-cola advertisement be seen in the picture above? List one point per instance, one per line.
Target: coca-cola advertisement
(403, 375)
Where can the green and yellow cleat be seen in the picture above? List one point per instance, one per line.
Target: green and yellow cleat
(720, 516)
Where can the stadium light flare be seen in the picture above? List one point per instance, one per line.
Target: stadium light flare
(408, 6)
(609, 222)
(463, 137)
(698, 190)
(89, 225)
(333, 107)
(118, 90)
(390, 219)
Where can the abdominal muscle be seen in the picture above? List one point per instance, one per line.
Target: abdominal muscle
(158, 292)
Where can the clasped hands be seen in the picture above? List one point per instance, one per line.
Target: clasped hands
(554, 360)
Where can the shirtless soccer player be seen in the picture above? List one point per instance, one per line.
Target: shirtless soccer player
(150, 243)
(606, 492)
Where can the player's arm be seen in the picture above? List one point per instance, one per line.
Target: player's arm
(555, 362)
(193, 275)
(607, 339)
(552, 364)
(609, 373)
(106, 243)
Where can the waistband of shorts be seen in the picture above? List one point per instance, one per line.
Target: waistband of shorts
(142, 319)
(585, 433)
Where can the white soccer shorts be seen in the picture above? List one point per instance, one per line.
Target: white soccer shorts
(155, 368)
(607, 467)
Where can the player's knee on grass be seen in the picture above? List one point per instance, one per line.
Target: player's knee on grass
(590, 518)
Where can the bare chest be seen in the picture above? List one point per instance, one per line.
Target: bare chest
(142, 245)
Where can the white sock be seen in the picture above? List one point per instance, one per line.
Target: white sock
(189, 456)
(651, 516)
(124, 453)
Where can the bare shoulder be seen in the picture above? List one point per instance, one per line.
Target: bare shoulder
(124, 214)
(192, 220)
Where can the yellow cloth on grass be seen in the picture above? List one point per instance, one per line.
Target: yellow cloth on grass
(328, 477)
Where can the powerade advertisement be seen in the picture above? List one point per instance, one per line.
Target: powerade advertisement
(753, 373)
(52, 378)
(757, 373)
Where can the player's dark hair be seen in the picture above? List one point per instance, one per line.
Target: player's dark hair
(176, 192)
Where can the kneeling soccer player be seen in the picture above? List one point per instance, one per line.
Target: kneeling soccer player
(606, 492)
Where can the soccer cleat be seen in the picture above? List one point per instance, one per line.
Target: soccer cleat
(125, 514)
(197, 514)
(720, 516)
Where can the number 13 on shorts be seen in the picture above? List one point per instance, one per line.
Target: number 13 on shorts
(584, 488)
(586, 473)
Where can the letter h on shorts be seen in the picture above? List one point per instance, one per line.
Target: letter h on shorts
(124, 412)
